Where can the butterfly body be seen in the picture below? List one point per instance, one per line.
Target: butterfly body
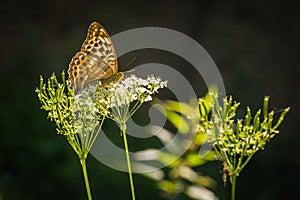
(97, 60)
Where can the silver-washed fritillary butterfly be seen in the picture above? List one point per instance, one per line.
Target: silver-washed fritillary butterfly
(97, 60)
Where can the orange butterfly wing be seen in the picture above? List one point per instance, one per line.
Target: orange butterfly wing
(96, 61)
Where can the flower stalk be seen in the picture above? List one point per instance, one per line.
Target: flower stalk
(86, 178)
(120, 100)
(75, 116)
(123, 132)
(233, 185)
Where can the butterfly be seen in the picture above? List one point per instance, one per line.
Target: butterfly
(97, 60)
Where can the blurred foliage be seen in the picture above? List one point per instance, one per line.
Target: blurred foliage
(183, 175)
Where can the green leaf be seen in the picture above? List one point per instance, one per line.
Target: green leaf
(194, 160)
(167, 186)
(167, 158)
(182, 108)
(172, 110)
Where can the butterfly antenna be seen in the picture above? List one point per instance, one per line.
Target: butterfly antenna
(132, 60)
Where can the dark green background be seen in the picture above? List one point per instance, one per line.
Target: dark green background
(255, 45)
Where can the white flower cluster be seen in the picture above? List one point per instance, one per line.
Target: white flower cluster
(113, 101)
(85, 111)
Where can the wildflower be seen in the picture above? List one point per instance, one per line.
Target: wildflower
(75, 117)
(114, 102)
(236, 141)
(86, 121)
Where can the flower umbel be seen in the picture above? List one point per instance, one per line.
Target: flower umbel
(114, 102)
(240, 139)
(235, 141)
(85, 117)
(56, 99)
(75, 117)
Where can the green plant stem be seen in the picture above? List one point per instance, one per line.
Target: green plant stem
(246, 162)
(128, 162)
(86, 178)
(233, 186)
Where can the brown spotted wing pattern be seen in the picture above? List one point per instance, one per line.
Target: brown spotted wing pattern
(97, 60)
